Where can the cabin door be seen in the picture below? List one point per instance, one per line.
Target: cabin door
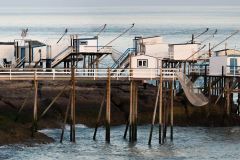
(233, 65)
(22, 53)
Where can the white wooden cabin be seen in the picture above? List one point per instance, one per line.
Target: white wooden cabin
(225, 52)
(7, 50)
(183, 51)
(88, 45)
(226, 65)
(152, 46)
(146, 66)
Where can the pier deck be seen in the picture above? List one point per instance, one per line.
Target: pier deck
(86, 74)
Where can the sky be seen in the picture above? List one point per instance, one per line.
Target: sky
(84, 3)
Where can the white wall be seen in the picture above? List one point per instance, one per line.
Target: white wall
(216, 63)
(183, 51)
(144, 72)
(157, 50)
(151, 40)
(7, 51)
(90, 47)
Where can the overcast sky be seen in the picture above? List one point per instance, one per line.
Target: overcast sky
(82, 3)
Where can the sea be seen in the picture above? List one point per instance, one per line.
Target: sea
(175, 24)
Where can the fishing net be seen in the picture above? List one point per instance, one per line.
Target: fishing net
(194, 96)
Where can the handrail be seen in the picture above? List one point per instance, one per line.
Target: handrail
(59, 54)
(47, 73)
(122, 57)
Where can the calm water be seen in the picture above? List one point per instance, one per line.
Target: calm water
(175, 24)
(189, 143)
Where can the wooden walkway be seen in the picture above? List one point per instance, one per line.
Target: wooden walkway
(86, 74)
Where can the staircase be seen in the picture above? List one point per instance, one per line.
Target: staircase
(122, 61)
(61, 56)
(20, 63)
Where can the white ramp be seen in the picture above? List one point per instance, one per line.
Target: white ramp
(196, 99)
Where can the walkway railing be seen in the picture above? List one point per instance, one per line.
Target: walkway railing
(88, 74)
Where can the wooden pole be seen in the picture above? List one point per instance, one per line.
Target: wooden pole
(164, 117)
(65, 118)
(73, 107)
(99, 116)
(23, 105)
(53, 101)
(154, 115)
(228, 96)
(172, 89)
(34, 126)
(131, 112)
(160, 105)
(136, 112)
(126, 129)
(108, 107)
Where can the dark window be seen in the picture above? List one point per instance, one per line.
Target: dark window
(143, 63)
(83, 42)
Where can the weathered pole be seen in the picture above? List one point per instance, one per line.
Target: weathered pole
(160, 105)
(108, 106)
(154, 115)
(99, 116)
(131, 111)
(136, 112)
(73, 107)
(65, 118)
(35, 107)
(172, 96)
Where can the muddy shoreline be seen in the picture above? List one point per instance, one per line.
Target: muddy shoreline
(89, 97)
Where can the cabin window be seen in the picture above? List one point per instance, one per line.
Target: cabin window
(83, 42)
(142, 63)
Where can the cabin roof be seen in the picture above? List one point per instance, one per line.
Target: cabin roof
(227, 52)
(35, 43)
(145, 56)
(150, 37)
(7, 43)
(174, 44)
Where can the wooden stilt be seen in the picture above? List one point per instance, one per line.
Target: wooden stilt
(35, 107)
(22, 106)
(73, 107)
(227, 96)
(172, 89)
(131, 111)
(154, 115)
(164, 118)
(65, 118)
(108, 107)
(160, 106)
(99, 116)
(126, 129)
(136, 112)
(53, 101)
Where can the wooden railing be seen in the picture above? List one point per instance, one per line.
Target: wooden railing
(91, 74)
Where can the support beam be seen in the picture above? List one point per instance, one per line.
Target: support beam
(65, 118)
(35, 107)
(131, 111)
(160, 106)
(108, 107)
(53, 101)
(154, 115)
(99, 116)
(73, 107)
(171, 108)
